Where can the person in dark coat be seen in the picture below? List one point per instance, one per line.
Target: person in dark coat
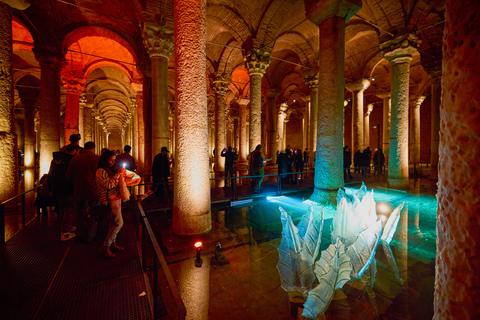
(125, 160)
(347, 162)
(357, 158)
(282, 167)
(369, 153)
(229, 162)
(378, 160)
(160, 173)
(81, 173)
(364, 162)
(288, 164)
(74, 139)
(299, 164)
(62, 190)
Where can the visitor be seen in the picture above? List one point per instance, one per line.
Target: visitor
(81, 174)
(369, 153)
(160, 173)
(107, 188)
(299, 164)
(306, 157)
(347, 162)
(357, 158)
(256, 167)
(125, 160)
(74, 139)
(378, 161)
(229, 165)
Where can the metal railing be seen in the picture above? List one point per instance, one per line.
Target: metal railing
(2, 212)
(149, 236)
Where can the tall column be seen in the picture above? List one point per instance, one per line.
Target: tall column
(191, 208)
(8, 139)
(313, 86)
(330, 16)
(435, 75)
(387, 110)
(415, 128)
(74, 86)
(159, 43)
(256, 64)
(134, 126)
(81, 118)
(281, 116)
(271, 132)
(366, 126)
(242, 104)
(457, 294)
(220, 87)
(357, 88)
(399, 53)
(49, 101)
(28, 97)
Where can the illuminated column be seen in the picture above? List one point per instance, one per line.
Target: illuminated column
(345, 103)
(49, 101)
(220, 87)
(457, 294)
(191, 208)
(271, 131)
(399, 53)
(159, 43)
(81, 118)
(140, 127)
(357, 88)
(73, 87)
(435, 75)
(281, 115)
(134, 127)
(211, 135)
(313, 86)
(8, 139)
(28, 97)
(242, 104)
(256, 64)
(366, 126)
(330, 16)
(415, 129)
(387, 109)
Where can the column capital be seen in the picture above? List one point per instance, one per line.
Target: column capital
(358, 85)
(273, 93)
(133, 104)
(48, 50)
(220, 87)
(243, 102)
(282, 108)
(257, 62)
(158, 41)
(73, 84)
(312, 81)
(83, 100)
(383, 95)
(318, 11)
(416, 101)
(400, 49)
(345, 103)
(369, 109)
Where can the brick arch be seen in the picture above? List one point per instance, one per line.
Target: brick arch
(239, 27)
(297, 42)
(270, 24)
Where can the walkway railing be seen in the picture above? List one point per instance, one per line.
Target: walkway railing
(2, 212)
(149, 236)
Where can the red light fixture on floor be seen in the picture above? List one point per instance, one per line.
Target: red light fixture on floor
(198, 247)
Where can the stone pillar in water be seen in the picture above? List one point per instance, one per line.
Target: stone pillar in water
(191, 206)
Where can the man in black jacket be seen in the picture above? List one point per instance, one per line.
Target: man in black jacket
(229, 162)
(160, 173)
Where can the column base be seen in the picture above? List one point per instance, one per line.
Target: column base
(327, 199)
(190, 226)
(401, 183)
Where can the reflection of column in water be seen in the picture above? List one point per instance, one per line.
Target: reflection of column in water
(221, 218)
(218, 175)
(400, 251)
(193, 284)
(29, 179)
(415, 212)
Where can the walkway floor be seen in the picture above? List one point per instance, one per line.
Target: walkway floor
(44, 278)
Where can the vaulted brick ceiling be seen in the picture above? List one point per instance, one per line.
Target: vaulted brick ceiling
(108, 34)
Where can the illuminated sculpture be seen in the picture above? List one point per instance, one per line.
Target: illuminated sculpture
(356, 232)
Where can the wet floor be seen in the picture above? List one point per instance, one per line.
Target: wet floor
(249, 286)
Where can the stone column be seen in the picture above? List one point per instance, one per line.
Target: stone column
(49, 101)
(191, 208)
(281, 116)
(159, 43)
(330, 16)
(74, 86)
(357, 88)
(270, 124)
(140, 132)
(366, 126)
(313, 86)
(457, 294)
(81, 118)
(87, 124)
(8, 139)
(28, 97)
(435, 79)
(242, 104)
(220, 87)
(415, 129)
(386, 121)
(256, 64)
(399, 53)
(134, 126)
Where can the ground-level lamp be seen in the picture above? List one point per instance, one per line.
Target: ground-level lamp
(198, 247)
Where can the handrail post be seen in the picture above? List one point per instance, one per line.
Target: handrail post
(279, 185)
(155, 286)
(144, 246)
(23, 210)
(2, 224)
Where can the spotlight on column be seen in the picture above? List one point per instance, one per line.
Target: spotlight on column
(219, 259)
(198, 248)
